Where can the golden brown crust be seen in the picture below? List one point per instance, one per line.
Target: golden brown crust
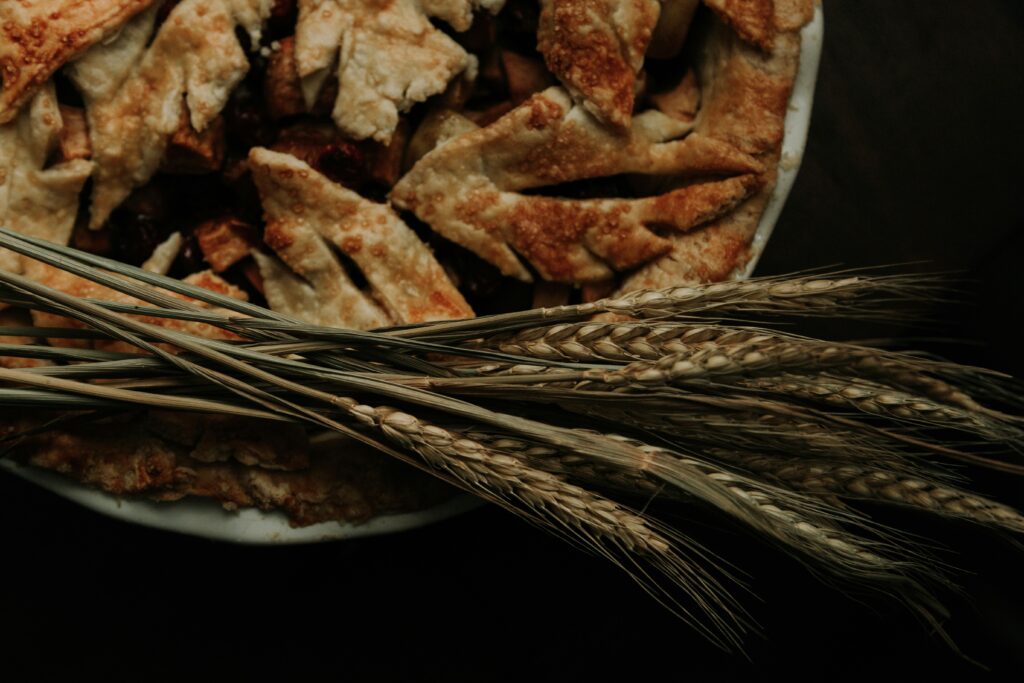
(339, 480)
(308, 217)
(37, 37)
(64, 281)
(792, 15)
(136, 89)
(710, 254)
(744, 103)
(38, 198)
(747, 95)
(469, 189)
(225, 242)
(393, 56)
(753, 20)
(596, 48)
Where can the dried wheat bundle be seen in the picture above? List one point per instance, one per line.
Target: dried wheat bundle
(596, 428)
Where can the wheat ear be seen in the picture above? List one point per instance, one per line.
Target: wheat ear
(877, 399)
(801, 524)
(758, 431)
(717, 350)
(578, 515)
(851, 480)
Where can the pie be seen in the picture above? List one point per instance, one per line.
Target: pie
(361, 163)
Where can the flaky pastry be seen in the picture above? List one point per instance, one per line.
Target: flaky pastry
(468, 189)
(37, 199)
(744, 102)
(135, 89)
(310, 219)
(596, 48)
(37, 37)
(388, 56)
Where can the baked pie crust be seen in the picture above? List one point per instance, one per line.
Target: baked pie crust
(309, 219)
(468, 189)
(35, 198)
(37, 37)
(596, 48)
(403, 156)
(388, 56)
(137, 87)
(743, 103)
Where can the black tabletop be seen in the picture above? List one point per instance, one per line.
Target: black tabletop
(914, 157)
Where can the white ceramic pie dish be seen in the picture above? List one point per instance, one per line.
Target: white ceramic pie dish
(208, 519)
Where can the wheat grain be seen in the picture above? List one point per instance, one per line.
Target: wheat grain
(718, 350)
(876, 399)
(793, 295)
(595, 522)
(767, 432)
(799, 523)
(850, 480)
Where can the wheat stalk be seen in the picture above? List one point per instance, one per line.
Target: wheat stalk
(850, 480)
(807, 295)
(802, 524)
(723, 369)
(768, 432)
(877, 399)
(861, 296)
(505, 475)
(807, 528)
(524, 409)
(716, 351)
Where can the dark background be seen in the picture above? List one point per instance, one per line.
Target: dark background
(914, 156)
